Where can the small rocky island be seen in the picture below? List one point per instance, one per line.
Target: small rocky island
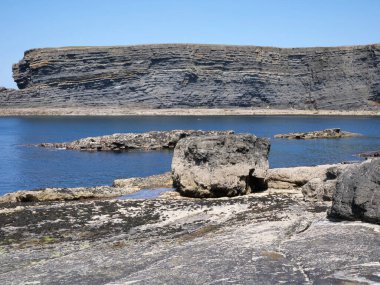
(335, 133)
(132, 141)
(300, 225)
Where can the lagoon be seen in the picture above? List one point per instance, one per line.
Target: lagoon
(26, 167)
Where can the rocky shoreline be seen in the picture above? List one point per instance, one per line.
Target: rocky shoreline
(120, 111)
(270, 237)
(299, 225)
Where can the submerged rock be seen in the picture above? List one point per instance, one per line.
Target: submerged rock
(224, 165)
(324, 134)
(132, 141)
(358, 193)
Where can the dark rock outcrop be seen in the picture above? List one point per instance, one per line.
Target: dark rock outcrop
(132, 141)
(370, 154)
(358, 193)
(191, 75)
(224, 165)
(324, 134)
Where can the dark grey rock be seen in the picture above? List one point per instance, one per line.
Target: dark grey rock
(224, 165)
(358, 193)
(370, 154)
(191, 75)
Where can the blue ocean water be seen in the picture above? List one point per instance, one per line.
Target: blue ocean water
(25, 167)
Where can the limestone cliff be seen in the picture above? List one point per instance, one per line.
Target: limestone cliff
(189, 75)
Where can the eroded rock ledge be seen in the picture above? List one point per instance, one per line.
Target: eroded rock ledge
(193, 75)
(335, 133)
(120, 187)
(132, 141)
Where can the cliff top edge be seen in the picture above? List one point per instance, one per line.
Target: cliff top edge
(191, 45)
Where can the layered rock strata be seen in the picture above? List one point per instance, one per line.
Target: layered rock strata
(191, 75)
(335, 133)
(224, 165)
(357, 194)
(132, 141)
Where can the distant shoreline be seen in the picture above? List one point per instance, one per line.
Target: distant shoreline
(109, 111)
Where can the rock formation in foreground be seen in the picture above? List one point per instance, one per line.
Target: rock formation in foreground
(224, 165)
(357, 193)
(255, 239)
(317, 183)
(132, 141)
(335, 133)
(191, 75)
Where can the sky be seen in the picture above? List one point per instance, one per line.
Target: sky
(26, 24)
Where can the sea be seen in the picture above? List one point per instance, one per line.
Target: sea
(24, 166)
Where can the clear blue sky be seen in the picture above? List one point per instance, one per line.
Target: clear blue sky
(26, 24)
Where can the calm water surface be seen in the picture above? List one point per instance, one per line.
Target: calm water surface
(23, 167)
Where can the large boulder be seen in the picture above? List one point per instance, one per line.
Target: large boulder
(358, 193)
(222, 165)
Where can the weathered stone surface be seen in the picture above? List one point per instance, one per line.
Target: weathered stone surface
(324, 134)
(358, 193)
(190, 75)
(132, 141)
(323, 188)
(155, 181)
(224, 165)
(60, 194)
(295, 177)
(252, 239)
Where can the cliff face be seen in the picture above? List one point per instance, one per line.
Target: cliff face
(164, 76)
